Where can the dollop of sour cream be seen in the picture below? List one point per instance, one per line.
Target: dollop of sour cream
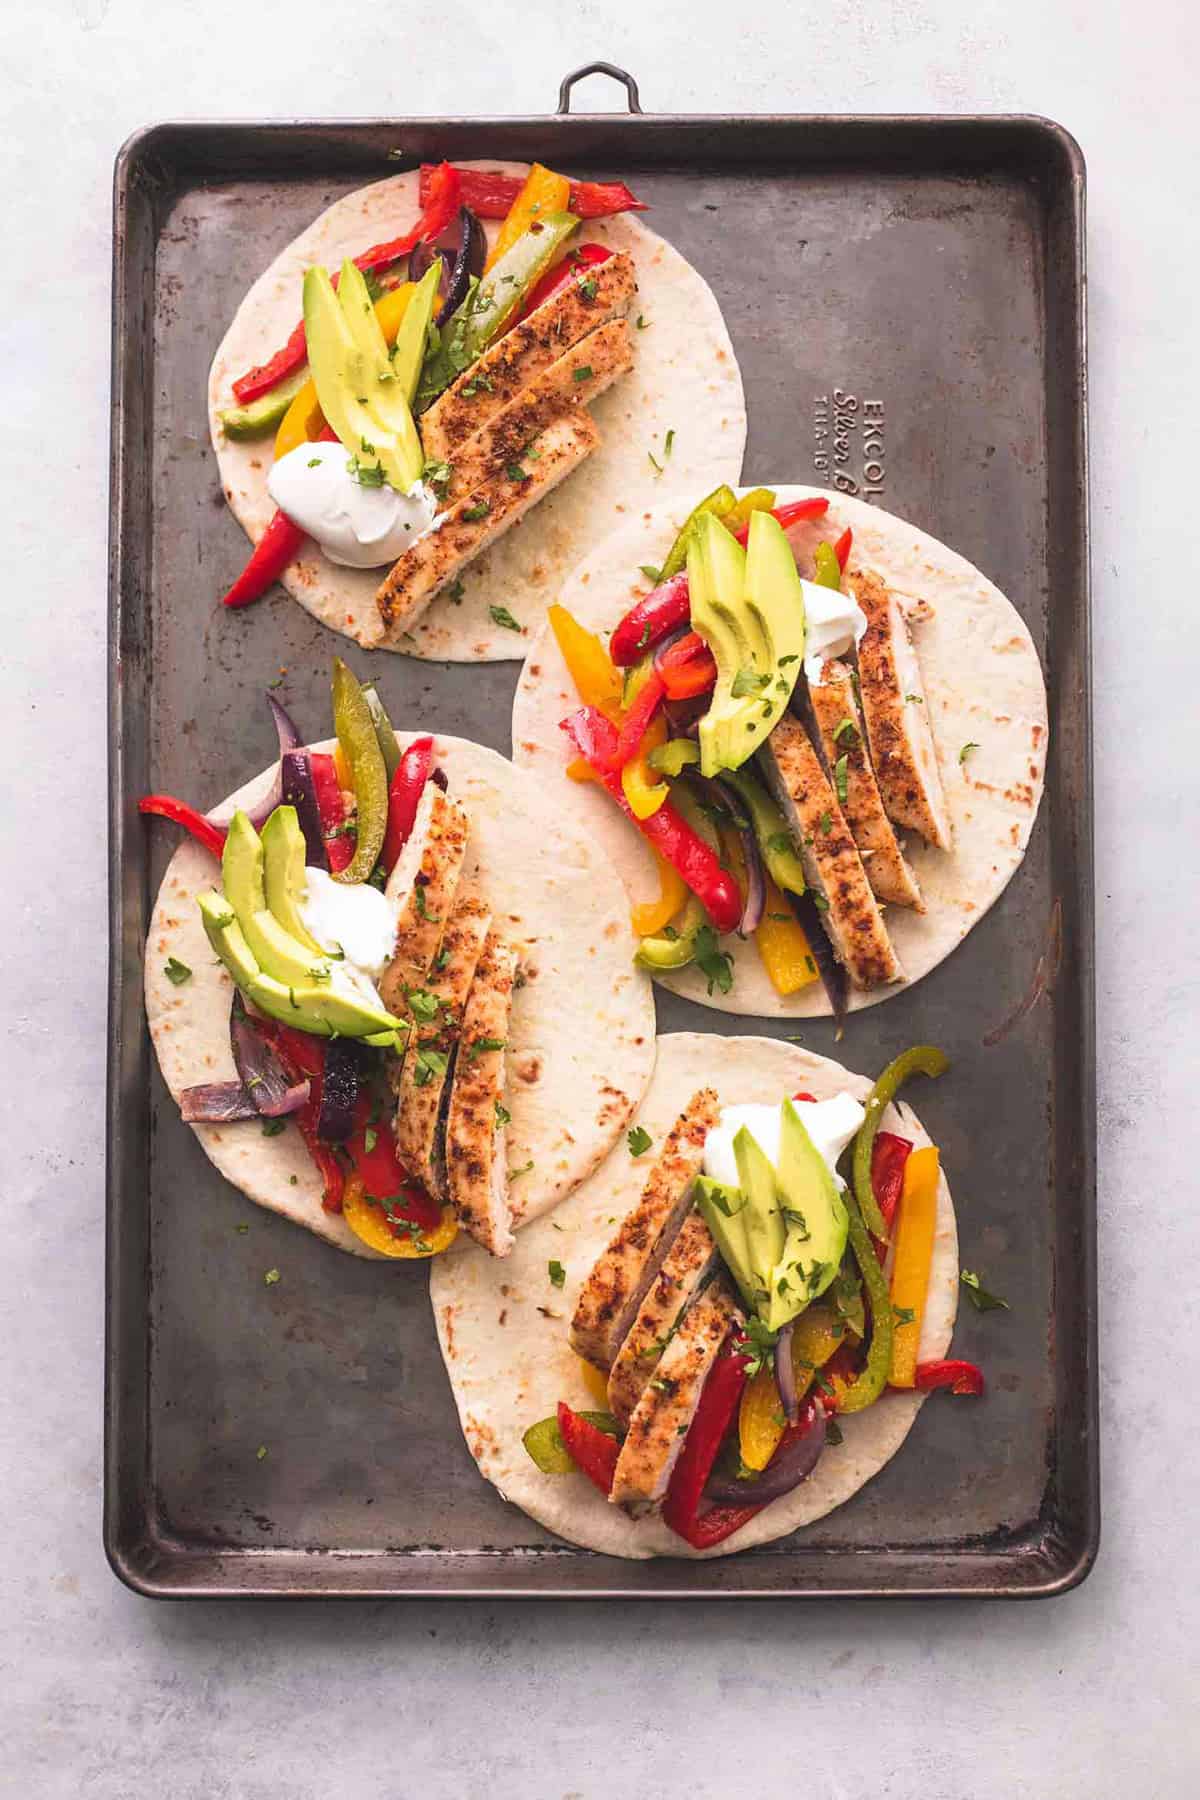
(833, 622)
(355, 920)
(829, 1123)
(356, 526)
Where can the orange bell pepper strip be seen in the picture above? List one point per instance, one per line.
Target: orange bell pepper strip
(544, 192)
(368, 1220)
(304, 421)
(782, 946)
(650, 918)
(589, 665)
(644, 787)
(912, 1261)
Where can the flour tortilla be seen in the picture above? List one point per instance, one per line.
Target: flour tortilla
(510, 1364)
(685, 379)
(983, 685)
(582, 1032)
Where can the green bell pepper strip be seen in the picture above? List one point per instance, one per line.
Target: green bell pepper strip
(676, 951)
(757, 500)
(389, 745)
(827, 570)
(544, 1442)
(922, 1059)
(770, 828)
(871, 1380)
(722, 500)
(355, 727)
(674, 756)
(501, 293)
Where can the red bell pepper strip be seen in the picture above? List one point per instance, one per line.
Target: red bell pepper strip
(303, 1054)
(331, 804)
(596, 739)
(842, 548)
(440, 201)
(669, 606)
(383, 1175)
(637, 720)
(651, 620)
(165, 806)
(584, 256)
(718, 1403)
(279, 545)
(408, 784)
(593, 1449)
(688, 668)
(959, 1377)
(889, 1154)
(490, 194)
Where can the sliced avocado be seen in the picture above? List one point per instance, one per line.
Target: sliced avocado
(348, 383)
(408, 351)
(286, 958)
(765, 1232)
(814, 1215)
(284, 876)
(387, 399)
(312, 1009)
(770, 828)
(723, 1211)
(261, 415)
(774, 597)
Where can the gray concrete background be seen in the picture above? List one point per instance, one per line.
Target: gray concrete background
(105, 1696)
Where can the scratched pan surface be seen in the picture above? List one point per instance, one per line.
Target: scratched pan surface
(905, 297)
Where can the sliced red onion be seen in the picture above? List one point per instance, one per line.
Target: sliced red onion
(268, 1086)
(684, 716)
(672, 638)
(289, 737)
(785, 1374)
(339, 1089)
(833, 976)
(785, 1471)
(756, 876)
(215, 1103)
(463, 250)
(299, 791)
(438, 778)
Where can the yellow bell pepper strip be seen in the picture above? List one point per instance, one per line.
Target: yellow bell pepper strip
(913, 1258)
(368, 1221)
(644, 787)
(544, 192)
(649, 917)
(304, 421)
(589, 665)
(595, 1381)
(816, 1334)
(922, 1059)
(360, 747)
(757, 500)
(783, 947)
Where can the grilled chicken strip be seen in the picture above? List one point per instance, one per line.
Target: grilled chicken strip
(501, 373)
(832, 866)
(688, 1264)
(475, 521)
(426, 874)
(484, 464)
(898, 728)
(617, 1285)
(436, 1012)
(840, 726)
(476, 1141)
(668, 1403)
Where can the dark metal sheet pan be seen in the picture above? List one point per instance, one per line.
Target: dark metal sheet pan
(915, 280)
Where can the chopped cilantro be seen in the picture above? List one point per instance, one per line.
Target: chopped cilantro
(370, 1138)
(642, 323)
(819, 901)
(455, 590)
(176, 972)
(780, 842)
(845, 728)
(482, 1045)
(587, 288)
(748, 681)
(429, 1063)
(556, 1273)
(369, 475)
(273, 1127)
(826, 823)
(503, 1116)
(515, 472)
(583, 373)
(654, 462)
(502, 617)
(438, 474)
(966, 751)
(639, 1140)
(515, 1174)
(314, 462)
(422, 1004)
(668, 443)
(904, 1315)
(914, 699)
(479, 510)
(712, 960)
(261, 1452)
(422, 905)
(978, 1295)
(271, 1277)
(758, 1345)
(840, 778)
(653, 575)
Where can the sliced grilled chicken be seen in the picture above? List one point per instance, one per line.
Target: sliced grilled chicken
(689, 1262)
(501, 373)
(491, 460)
(474, 522)
(832, 866)
(668, 1404)
(436, 1011)
(898, 728)
(426, 875)
(840, 727)
(617, 1285)
(476, 1141)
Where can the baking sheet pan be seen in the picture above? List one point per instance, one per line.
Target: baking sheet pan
(906, 300)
